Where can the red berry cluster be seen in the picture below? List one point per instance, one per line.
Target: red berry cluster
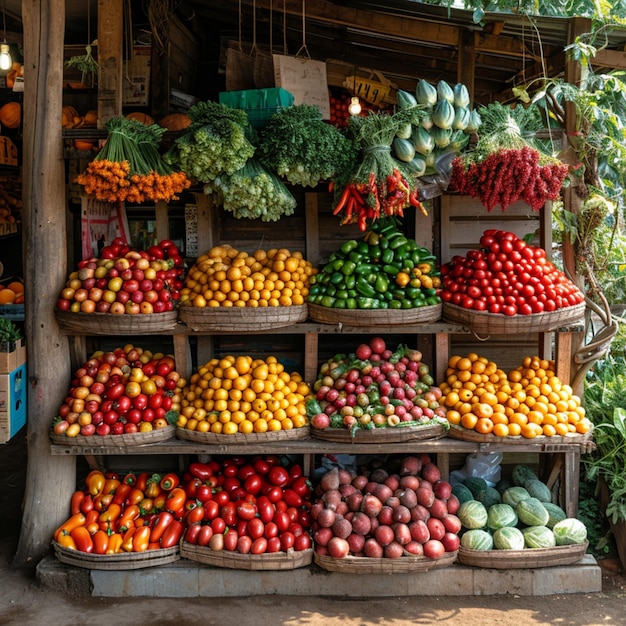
(507, 276)
(509, 175)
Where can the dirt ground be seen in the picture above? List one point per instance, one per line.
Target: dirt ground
(24, 602)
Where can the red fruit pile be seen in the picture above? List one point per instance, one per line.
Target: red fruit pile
(123, 280)
(339, 109)
(249, 505)
(375, 388)
(507, 275)
(386, 515)
(127, 390)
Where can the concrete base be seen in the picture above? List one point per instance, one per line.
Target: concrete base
(187, 579)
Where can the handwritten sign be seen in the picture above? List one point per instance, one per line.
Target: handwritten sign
(305, 79)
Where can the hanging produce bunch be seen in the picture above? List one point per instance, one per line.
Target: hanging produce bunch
(514, 515)
(125, 281)
(505, 166)
(445, 126)
(300, 147)
(375, 387)
(129, 167)
(530, 401)
(384, 270)
(227, 277)
(126, 390)
(386, 512)
(239, 394)
(507, 276)
(379, 186)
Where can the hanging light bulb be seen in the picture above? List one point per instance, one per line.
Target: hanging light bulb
(5, 57)
(5, 51)
(354, 108)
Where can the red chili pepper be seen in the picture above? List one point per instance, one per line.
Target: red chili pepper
(121, 493)
(128, 518)
(110, 485)
(100, 542)
(142, 479)
(111, 514)
(130, 479)
(161, 522)
(201, 471)
(175, 502)
(172, 534)
(87, 504)
(141, 539)
(82, 539)
(76, 501)
(342, 200)
(169, 481)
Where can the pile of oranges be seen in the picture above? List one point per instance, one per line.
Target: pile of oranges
(531, 401)
(243, 395)
(12, 293)
(227, 277)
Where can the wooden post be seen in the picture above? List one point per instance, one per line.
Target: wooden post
(50, 480)
(110, 29)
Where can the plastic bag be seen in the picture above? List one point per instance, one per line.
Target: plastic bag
(484, 465)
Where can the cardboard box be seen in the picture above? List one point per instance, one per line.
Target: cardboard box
(12, 358)
(13, 393)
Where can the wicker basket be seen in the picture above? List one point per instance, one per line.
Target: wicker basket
(523, 559)
(373, 317)
(239, 319)
(234, 560)
(464, 434)
(483, 323)
(126, 440)
(366, 565)
(109, 324)
(380, 435)
(253, 438)
(123, 560)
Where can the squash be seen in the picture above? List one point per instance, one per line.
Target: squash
(476, 484)
(569, 531)
(538, 490)
(425, 93)
(538, 537)
(489, 497)
(462, 493)
(500, 516)
(90, 118)
(175, 121)
(144, 118)
(521, 474)
(532, 513)
(557, 514)
(405, 100)
(403, 149)
(443, 114)
(514, 495)
(11, 115)
(472, 514)
(69, 115)
(83, 144)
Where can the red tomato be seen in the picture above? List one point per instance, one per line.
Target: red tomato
(303, 542)
(256, 528)
(211, 509)
(253, 483)
(205, 534)
(245, 471)
(230, 540)
(222, 497)
(274, 494)
(278, 476)
(195, 515)
(204, 493)
(287, 540)
(262, 466)
(271, 530)
(193, 532)
(295, 529)
(241, 527)
(231, 483)
(282, 520)
(229, 513)
(218, 525)
(244, 544)
(246, 511)
(273, 545)
(265, 509)
(302, 487)
(259, 546)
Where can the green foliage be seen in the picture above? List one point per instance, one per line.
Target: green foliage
(8, 330)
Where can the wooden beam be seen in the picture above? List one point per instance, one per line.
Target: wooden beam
(50, 480)
(110, 30)
(611, 59)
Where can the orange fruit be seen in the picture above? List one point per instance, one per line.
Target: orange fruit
(7, 296)
(16, 287)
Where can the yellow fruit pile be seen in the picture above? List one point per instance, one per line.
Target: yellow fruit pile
(243, 395)
(227, 277)
(531, 401)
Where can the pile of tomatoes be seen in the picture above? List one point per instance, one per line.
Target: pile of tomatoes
(507, 276)
(126, 390)
(248, 505)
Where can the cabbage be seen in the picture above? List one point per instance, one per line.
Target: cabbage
(569, 531)
(508, 538)
(472, 514)
(501, 515)
(538, 537)
(477, 539)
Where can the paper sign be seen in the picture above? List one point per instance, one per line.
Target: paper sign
(305, 79)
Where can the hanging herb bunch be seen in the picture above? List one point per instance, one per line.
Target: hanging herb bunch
(129, 167)
(301, 148)
(215, 142)
(379, 185)
(508, 164)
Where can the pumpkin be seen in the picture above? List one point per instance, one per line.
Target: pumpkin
(10, 78)
(11, 114)
(175, 121)
(91, 118)
(83, 144)
(69, 115)
(144, 118)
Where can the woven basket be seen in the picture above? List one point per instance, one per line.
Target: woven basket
(123, 560)
(267, 437)
(126, 440)
(366, 565)
(238, 319)
(234, 560)
(373, 317)
(483, 323)
(464, 434)
(522, 559)
(109, 324)
(380, 435)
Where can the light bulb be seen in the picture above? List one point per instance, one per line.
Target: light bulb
(354, 108)
(5, 57)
